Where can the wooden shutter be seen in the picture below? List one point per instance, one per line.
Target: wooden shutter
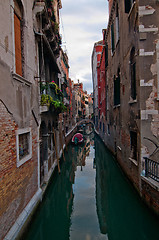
(18, 45)
(112, 38)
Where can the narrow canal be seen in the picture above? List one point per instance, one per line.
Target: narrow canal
(91, 199)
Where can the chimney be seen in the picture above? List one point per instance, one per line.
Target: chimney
(104, 32)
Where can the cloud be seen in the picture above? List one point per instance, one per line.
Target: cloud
(83, 22)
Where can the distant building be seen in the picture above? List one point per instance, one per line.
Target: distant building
(90, 105)
(96, 56)
(80, 100)
(102, 88)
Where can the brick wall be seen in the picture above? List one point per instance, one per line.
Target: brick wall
(150, 195)
(17, 185)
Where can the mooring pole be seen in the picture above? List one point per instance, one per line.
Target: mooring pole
(58, 164)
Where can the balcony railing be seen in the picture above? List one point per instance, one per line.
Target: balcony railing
(56, 94)
(151, 169)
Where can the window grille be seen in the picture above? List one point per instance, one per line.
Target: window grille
(133, 142)
(23, 145)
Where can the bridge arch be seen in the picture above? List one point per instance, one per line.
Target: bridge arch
(85, 121)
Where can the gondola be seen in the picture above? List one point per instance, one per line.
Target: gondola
(77, 139)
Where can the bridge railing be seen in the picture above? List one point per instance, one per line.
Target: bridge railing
(85, 121)
(151, 169)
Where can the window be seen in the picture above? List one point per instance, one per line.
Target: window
(117, 23)
(112, 38)
(18, 34)
(128, 4)
(117, 89)
(133, 73)
(103, 128)
(108, 129)
(133, 142)
(23, 145)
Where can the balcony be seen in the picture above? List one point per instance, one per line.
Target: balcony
(55, 92)
(51, 98)
(39, 6)
(151, 169)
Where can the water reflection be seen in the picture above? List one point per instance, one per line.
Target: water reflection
(84, 221)
(122, 215)
(91, 199)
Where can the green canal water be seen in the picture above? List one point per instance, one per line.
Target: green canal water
(91, 199)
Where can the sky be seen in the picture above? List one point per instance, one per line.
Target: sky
(81, 23)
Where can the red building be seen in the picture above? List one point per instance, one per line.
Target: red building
(96, 56)
(102, 87)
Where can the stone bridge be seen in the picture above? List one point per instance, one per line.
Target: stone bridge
(85, 121)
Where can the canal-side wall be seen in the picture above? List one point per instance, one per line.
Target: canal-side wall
(130, 128)
(19, 108)
(66, 141)
(149, 188)
(25, 217)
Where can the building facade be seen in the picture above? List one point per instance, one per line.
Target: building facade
(34, 72)
(96, 56)
(131, 80)
(19, 116)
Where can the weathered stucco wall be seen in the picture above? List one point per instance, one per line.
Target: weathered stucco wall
(18, 98)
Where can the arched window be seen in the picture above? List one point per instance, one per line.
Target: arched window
(18, 36)
(133, 73)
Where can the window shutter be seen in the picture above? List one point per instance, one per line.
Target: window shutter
(18, 45)
(112, 37)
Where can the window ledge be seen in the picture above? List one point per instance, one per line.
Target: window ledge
(112, 53)
(119, 148)
(151, 182)
(132, 101)
(131, 9)
(116, 106)
(44, 108)
(117, 43)
(21, 79)
(133, 161)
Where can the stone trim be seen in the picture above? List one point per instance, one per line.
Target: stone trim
(16, 228)
(27, 157)
(142, 53)
(146, 10)
(145, 113)
(142, 29)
